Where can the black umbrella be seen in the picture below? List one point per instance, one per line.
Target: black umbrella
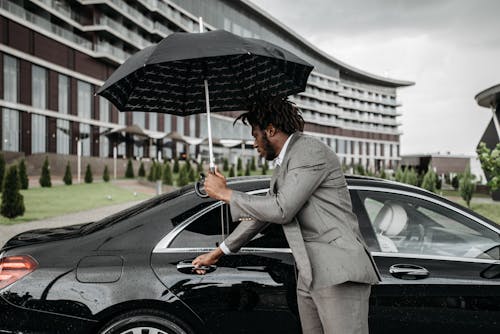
(174, 76)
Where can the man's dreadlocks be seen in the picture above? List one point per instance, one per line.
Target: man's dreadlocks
(281, 113)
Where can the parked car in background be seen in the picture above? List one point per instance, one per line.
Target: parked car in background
(132, 273)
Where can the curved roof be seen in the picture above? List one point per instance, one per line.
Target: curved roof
(489, 97)
(343, 67)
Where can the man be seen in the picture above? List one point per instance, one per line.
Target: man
(308, 196)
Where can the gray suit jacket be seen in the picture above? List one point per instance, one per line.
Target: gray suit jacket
(308, 196)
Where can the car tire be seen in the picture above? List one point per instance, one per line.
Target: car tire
(146, 322)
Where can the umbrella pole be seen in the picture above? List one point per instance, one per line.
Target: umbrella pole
(209, 126)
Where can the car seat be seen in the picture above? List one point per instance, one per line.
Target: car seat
(389, 223)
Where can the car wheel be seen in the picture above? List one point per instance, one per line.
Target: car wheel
(145, 322)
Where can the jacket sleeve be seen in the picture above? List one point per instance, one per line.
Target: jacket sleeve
(305, 173)
(242, 234)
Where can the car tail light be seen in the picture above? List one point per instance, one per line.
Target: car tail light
(13, 268)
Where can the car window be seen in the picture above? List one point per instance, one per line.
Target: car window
(205, 231)
(406, 224)
(271, 236)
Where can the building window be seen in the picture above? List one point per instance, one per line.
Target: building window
(63, 128)
(84, 111)
(139, 119)
(103, 117)
(10, 130)
(341, 146)
(39, 100)
(10, 78)
(153, 122)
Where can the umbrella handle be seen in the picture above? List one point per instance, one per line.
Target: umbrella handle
(199, 186)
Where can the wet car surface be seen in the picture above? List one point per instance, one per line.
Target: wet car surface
(131, 272)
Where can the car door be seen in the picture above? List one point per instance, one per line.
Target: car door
(252, 291)
(440, 265)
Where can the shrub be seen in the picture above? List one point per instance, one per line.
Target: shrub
(199, 168)
(176, 165)
(239, 165)
(410, 176)
(23, 175)
(383, 174)
(167, 175)
(247, 169)
(490, 162)
(183, 177)
(105, 174)
(399, 175)
(129, 172)
(192, 175)
(2, 171)
(252, 164)
(45, 177)
(12, 200)
(455, 181)
(141, 172)
(359, 170)
(231, 171)
(225, 165)
(265, 167)
(158, 171)
(68, 178)
(467, 186)
(429, 180)
(88, 175)
(152, 172)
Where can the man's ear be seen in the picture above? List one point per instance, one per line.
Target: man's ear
(270, 130)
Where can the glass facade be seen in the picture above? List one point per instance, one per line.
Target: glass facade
(84, 105)
(10, 78)
(39, 100)
(63, 128)
(10, 130)
(103, 117)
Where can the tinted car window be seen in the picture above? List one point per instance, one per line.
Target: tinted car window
(205, 231)
(405, 224)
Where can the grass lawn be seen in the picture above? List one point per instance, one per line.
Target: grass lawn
(43, 203)
(488, 210)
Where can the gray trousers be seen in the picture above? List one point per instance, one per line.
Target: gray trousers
(338, 309)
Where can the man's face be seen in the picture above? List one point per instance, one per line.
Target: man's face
(262, 143)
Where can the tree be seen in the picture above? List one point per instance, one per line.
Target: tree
(141, 172)
(192, 175)
(68, 178)
(188, 165)
(265, 167)
(231, 171)
(383, 174)
(239, 165)
(45, 177)
(12, 200)
(455, 181)
(88, 175)
(158, 171)
(490, 162)
(253, 167)
(199, 169)
(247, 169)
(183, 177)
(2, 171)
(467, 186)
(176, 165)
(359, 170)
(167, 175)
(129, 172)
(152, 172)
(399, 175)
(410, 176)
(429, 180)
(23, 175)
(105, 174)
(225, 165)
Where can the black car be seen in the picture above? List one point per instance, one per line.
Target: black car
(131, 272)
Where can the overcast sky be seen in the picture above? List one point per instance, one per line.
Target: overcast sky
(449, 48)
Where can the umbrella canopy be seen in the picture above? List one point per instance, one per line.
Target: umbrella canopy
(169, 77)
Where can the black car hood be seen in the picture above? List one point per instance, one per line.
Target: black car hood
(44, 235)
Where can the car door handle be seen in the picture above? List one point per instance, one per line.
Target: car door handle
(408, 271)
(186, 267)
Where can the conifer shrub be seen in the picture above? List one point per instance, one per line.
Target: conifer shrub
(12, 201)
(68, 177)
(45, 177)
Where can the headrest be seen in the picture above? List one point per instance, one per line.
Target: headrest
(391, 219)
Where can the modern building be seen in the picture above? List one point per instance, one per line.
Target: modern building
(55, 54)
(450, 164)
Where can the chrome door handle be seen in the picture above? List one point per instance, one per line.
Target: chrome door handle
(186, 267)
(408, 271)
